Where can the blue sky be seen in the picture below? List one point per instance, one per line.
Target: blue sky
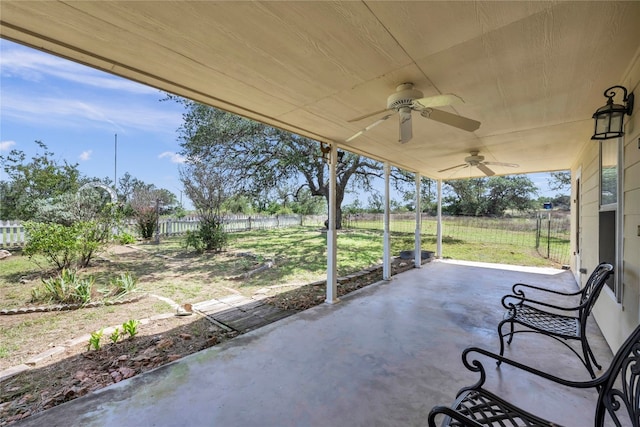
(77, 112)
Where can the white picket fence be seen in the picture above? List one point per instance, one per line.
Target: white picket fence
(12, 232)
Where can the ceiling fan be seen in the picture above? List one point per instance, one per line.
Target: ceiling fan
(407, 99)
(478, 161)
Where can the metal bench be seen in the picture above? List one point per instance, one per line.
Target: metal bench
(563, 323)
(618, 394)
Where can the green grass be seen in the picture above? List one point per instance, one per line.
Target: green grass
(508, 241)
(298, 256)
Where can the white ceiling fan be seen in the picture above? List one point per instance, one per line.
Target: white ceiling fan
(478, 161)
(407, 99)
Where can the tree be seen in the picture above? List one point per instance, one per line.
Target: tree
(376, 203)
(510, 192)
(146, 203)
(130, 187)
(491, 196)
(238, 205)
(304, 203)
(560, 181)
(127, 184)
(404, 182)
(40, 178)
(209, 185)
(354, 208)
(71, 228)
(264, 158)
(464, 197)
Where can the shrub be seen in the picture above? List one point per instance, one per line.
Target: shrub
(83, 290)
(66, 288)
(56, 242)
(192, 240)
(123, 284)
(125, 239)
(93, 236)
(210, 236)
(146, 223)
(65, 245)
(213, 235)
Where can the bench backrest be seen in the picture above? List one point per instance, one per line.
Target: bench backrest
(592, 289)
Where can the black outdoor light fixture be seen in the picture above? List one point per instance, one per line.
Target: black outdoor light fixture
(326, 151)
(609, 119)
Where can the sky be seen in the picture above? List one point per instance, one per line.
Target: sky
(78, 111)
(81, 114)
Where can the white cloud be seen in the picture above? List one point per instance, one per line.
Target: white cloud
(174, 157)
(111, 114)
(6, 145)
(85, 155)
(32, 65)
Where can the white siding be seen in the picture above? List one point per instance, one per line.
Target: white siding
(615, 320)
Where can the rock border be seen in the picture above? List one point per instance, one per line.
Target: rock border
(67, 307)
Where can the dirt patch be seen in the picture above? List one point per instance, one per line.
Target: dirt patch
(79, 371)
(67, 375)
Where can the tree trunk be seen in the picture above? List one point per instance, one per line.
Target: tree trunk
(338, 217)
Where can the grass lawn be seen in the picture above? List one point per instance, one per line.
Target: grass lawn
(482, 239)
(295, 256)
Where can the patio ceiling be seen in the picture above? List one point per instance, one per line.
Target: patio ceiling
(532, 72)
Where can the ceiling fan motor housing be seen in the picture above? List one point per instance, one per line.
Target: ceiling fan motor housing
(404, 96)
(474, 159)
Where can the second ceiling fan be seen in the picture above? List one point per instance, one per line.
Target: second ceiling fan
(407, 99)
(474, 159)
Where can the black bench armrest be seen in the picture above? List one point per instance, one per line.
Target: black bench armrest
(516, 291)
(475, 366)
(512, 301)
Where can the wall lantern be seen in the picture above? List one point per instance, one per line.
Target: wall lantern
(326, 153)
(609, 119)
(326, 150)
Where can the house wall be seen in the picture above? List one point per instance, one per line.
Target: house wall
(616, 320)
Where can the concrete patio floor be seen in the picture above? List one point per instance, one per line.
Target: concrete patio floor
(383, 356)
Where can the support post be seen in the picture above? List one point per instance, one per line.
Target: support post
(418, 243)
(439, 221)
(332, 259)
(386, 257)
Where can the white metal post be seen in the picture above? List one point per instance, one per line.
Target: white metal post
(418, 255)
(439, 221)
(332, 259)
(386, 263)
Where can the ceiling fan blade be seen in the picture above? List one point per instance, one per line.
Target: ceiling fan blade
(406, 129)
(451, 119)
(436, 101)
(357, 119)
(454, 167)
(508, 165)
(485, 169)
(372, 125)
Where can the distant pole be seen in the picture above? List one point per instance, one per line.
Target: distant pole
(115, 163)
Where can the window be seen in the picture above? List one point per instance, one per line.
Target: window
(609, 173)
(609, 218)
